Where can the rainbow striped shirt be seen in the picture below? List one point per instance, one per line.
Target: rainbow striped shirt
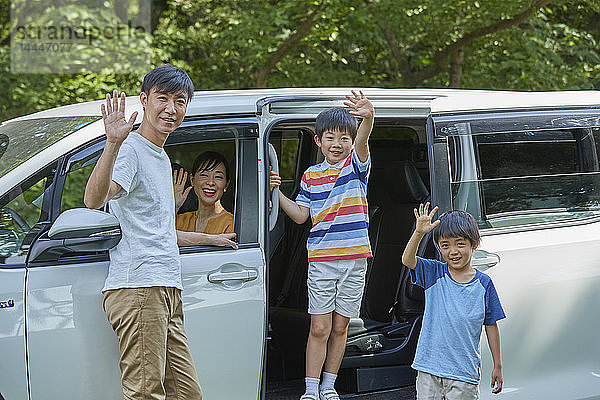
(337, 198)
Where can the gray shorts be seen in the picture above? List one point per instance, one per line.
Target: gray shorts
(431, 387)
(336, 286)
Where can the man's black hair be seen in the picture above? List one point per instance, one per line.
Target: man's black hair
(208, 161)
(457, 223)
(168, 79)
(335, 119)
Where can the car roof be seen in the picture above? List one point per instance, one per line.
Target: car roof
(236, 102)
(229, 102)
(514, 100)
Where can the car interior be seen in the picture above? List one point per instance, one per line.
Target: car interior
(382, 341)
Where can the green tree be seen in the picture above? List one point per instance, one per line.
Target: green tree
(491, 44)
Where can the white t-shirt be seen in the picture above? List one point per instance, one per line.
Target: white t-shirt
(147, 254)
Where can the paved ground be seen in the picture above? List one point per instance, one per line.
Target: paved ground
(293, 390)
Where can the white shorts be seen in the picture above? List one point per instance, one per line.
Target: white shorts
(336, 286)
(431, 387)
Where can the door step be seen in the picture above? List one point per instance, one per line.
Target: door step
(361, 380)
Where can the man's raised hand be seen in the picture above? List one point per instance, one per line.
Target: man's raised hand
(424, 217)
(113, 115)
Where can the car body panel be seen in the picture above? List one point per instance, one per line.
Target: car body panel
(225, 321)
(547, 281)
(13, 375)
(72, 345)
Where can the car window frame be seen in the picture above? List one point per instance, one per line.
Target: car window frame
(547, 119)
(242, 201)
(246, 199)
(41, 226)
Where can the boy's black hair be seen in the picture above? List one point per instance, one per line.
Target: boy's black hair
(168, 79)
(335, 119)
(208, 161)
(457, 223)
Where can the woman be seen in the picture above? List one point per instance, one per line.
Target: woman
(210, 223)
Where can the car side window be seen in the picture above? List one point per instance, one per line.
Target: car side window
(183, 146)
(234, 140)
(22, 211)
(529, 177)
(76, 180)
(287, 143)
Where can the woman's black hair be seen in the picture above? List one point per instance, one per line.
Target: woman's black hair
(208, 161)
(168, 79)
(457, 223)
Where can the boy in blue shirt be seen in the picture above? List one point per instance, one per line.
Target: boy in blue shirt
(459, 300)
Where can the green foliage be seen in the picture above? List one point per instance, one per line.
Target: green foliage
(540, 56)
(24, 93)
(355, 43)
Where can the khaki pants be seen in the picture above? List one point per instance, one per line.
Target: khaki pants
(431, 387)
(155, 361)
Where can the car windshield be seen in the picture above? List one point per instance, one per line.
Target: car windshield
(21, 140)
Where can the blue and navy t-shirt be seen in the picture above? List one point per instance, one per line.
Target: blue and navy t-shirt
(454, 315)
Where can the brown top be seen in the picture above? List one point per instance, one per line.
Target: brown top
(222, 223)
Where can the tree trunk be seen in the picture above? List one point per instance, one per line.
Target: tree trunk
(263, 71)
(456, 68)
(442, 58)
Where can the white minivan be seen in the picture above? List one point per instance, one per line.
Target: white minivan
(526, 165)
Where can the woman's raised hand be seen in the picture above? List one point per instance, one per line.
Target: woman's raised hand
(179, 180)
(424, 217)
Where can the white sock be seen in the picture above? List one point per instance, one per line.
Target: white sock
(312, 386)
(328, 381)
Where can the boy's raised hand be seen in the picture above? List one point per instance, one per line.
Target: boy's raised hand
(361, 106)
(113, 115)
(424, 217)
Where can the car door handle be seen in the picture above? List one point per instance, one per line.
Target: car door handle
(274, 213)
(243, 275)
(483, 260)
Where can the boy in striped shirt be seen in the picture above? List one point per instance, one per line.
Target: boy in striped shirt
(333, 193)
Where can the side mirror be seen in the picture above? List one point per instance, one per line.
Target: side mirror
(76, 230)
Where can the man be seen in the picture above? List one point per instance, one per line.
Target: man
(142, 293)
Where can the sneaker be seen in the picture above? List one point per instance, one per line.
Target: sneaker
(306, 396)
(329, 394)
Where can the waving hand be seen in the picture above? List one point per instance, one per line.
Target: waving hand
(424, 217)
(113, 114)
